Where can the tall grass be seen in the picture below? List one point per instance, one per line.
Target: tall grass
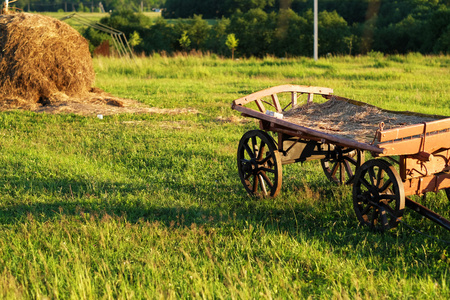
(151, 206)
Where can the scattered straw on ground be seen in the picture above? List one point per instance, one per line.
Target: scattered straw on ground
(96, 102)
(232, 119)
(349, 120)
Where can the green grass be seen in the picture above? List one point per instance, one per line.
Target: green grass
(151, 206)
(87, 17)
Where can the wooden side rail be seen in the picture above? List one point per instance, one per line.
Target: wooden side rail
(273, 91)
(426, 138)
(414, 130)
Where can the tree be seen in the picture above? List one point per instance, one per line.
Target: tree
(292, 35)
(159, 37)
(135, 39)
(255, 31)
(232, 43)
(213, 8)
(198, 30)
(333, 30)
(350, 42)
(184, 41)
(217, 37)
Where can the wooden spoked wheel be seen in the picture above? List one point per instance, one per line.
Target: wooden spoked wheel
(378, 195)
(342, 167)
(259, 164)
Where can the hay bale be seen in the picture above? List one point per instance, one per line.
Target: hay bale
(41, 58)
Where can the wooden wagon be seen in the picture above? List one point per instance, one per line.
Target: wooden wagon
(411, 158)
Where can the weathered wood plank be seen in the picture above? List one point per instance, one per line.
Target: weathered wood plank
(283, 89)
(413, 130)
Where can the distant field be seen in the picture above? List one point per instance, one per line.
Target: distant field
(151, 205)
(92, 17)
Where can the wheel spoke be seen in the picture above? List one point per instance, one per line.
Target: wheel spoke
(351, 160)
(366, 209)
(372, 176)
(254, 146)
(263, 186)
(348, 168)
(388, 196)
(385, 186)
(380, 177)
(340, 165)
(384, 217)
(261, 150)
(243, 160)
(266, 179)
(374, 217)
(262, 162)
(341, 173)
(349, 171)
(334, 169)
(267, 170)
(255, 184)
(390, 212)
(249, 151)
(365, 183)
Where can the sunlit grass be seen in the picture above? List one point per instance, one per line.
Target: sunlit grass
(151, 206)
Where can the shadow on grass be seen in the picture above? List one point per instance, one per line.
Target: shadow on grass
(49, 199)
(315, 222)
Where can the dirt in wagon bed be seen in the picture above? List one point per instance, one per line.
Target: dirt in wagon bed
(345, 119)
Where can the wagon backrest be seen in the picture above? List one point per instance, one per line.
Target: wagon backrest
(282, 98)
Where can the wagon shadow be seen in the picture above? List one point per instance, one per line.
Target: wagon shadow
(301, 223)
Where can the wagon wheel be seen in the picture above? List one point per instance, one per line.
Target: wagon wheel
(259, 164)
(378, 195)
(341, 168)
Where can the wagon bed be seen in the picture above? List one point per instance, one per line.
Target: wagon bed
(338, 132)
(340, 117)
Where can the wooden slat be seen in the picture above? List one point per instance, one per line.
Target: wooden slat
(422, 185)
(260, 105)
(433, 143)
(276, 103)
(294, 99)
(283, 89)
(412, 130)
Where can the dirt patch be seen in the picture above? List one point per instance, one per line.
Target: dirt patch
(232, 119)
(349, 120)
(93, 103)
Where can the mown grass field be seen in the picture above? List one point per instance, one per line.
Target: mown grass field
(151, 206)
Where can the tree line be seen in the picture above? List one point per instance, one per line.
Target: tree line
(285, 27)
(85, 5)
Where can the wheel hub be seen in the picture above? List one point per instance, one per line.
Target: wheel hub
(250, 166)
